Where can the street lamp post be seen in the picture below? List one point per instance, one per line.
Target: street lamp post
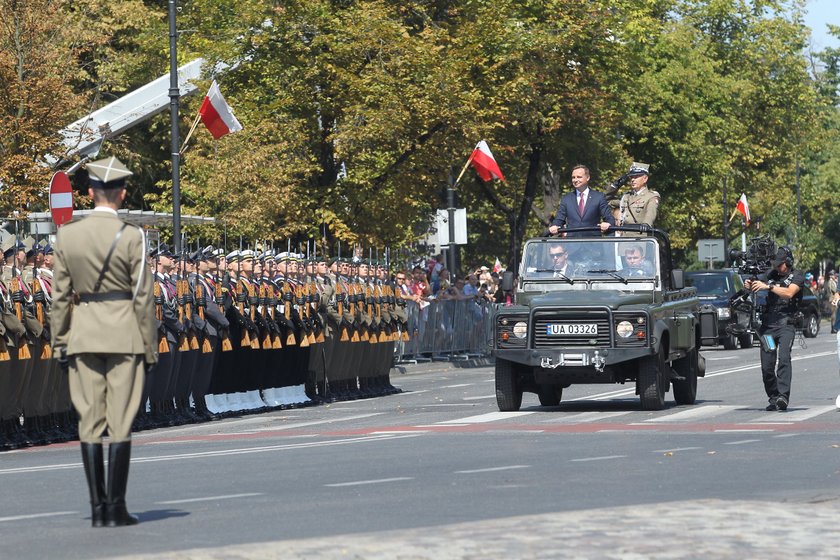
(174, 94)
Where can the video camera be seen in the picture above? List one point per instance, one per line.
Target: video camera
(757, 259)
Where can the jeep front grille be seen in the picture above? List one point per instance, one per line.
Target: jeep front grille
(601, 318)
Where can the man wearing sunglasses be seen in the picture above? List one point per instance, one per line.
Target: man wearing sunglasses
(559, 258)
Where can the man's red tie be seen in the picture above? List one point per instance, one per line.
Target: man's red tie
(580, 206)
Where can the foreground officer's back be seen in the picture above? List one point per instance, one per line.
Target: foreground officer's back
(104, 334)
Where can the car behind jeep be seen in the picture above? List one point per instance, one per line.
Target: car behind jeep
(598, 310)
(715, 289)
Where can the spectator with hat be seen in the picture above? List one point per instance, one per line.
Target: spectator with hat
(831, 290)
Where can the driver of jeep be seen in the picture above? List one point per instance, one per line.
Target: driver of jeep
(636, 264)
(560, 260)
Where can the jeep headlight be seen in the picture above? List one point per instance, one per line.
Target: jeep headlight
(520, 329)
(724, 313)
(624, 329)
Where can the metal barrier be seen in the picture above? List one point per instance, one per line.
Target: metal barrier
(447, 330)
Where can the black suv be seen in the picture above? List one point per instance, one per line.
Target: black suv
(714, 289)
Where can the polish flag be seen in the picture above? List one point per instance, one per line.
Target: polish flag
(743, 207)
(485, 164)
(498, 266)
(216, 114)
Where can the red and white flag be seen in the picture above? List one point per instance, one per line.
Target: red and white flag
(216, 114)
(484, 162)
(498, 266)
(743, 207)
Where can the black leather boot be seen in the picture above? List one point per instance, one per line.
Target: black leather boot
(119, 457)
(95, 473)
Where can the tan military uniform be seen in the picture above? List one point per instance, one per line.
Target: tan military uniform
(115, 336)
(640, 207)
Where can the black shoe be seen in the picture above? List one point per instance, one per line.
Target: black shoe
(772, 406)
(781, 403)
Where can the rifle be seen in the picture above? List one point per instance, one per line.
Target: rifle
(339, 303)
(245, 340)
(17, 298)
(183, 341)
(188, 299)
(271, 300)
(163, 343)
(200, 304)
(370, 304)
(220, 301)
(40, 300)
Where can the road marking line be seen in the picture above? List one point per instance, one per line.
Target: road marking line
(315, 422)
(692, 413)
(443, 404)
(675, 449)
(366, 482)
(225, 452)
(37, 515)
(583, 417)
(736, 430)
(610, 394)
(489, 417)
(722, 358)
(479, 398)
(741, 441)
(456, 386)
(208, 499)
(493, 469)
(795, 415)
(605, 458)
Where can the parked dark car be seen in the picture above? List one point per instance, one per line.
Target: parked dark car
(715, 288)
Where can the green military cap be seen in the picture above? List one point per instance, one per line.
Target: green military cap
(108, 173)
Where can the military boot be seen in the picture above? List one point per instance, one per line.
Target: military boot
(119, 458)
(95, 473)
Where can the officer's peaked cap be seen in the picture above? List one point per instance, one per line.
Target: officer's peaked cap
(639, 169)
(108, 173)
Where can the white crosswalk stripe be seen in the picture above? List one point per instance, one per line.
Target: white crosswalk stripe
(722, 413)
(692, 414)
(798, 414)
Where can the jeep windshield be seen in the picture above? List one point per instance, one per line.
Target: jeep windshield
(581, 263)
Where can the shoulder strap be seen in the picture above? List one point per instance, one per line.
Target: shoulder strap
(108, 258)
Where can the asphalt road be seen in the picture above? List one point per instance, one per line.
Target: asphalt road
(438, 472)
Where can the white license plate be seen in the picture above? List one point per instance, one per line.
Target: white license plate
(573, 329)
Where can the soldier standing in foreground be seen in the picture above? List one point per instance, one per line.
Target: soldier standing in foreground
(104, 334)
(641, 205)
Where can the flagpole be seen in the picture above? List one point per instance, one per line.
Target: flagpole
(190, 133)
(458, 180)
(174, 94)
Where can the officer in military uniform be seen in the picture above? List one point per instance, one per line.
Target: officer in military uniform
(104, 334)
(641, 204)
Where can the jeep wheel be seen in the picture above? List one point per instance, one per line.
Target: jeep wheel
(550, 395)
(745, 340)
(652, 381)
(730, 342)
(685, 390)
(812, 326)
(508, 389)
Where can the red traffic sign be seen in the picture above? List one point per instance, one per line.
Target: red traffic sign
(61, 198)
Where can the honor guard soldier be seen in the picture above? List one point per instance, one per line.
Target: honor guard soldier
(104, 334)
(641, 204)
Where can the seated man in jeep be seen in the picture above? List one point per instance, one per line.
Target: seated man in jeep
(635, 263)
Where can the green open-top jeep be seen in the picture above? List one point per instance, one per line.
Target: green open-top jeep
(598, 310)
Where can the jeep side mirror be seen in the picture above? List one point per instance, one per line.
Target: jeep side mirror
(677, 279)
(507, 281)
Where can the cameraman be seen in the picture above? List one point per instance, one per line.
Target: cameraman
(784, 291)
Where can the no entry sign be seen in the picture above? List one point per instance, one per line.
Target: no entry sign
(61, 199)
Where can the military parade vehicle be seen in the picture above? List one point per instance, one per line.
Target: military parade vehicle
(598, 310)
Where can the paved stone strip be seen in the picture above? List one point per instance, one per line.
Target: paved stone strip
(687, 529)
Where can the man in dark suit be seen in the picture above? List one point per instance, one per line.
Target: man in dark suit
(582, 208)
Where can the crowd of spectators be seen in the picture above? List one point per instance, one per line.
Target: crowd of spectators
(435, 282)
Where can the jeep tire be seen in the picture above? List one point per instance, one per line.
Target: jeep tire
(550, 395)
(685, 390)
(652, 380)
(508, 388)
